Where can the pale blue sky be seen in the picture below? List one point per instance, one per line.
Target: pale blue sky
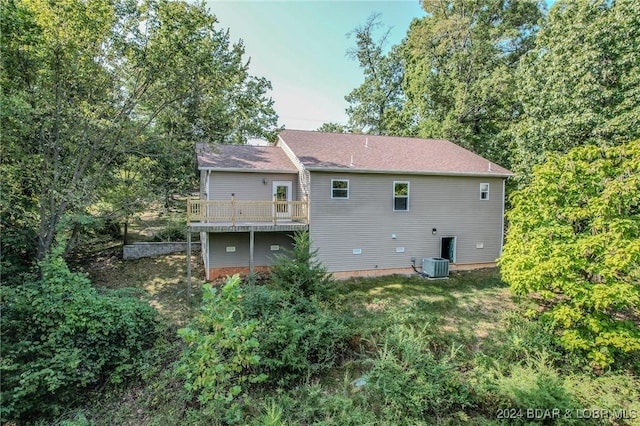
(300, 46)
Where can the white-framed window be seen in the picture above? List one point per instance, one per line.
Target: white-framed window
(339, 188)
(400, 196)
(484, 191)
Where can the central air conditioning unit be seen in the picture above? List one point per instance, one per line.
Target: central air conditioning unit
(435, 267)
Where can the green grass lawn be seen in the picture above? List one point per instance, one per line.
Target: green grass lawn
(468, 304)
(464, 339)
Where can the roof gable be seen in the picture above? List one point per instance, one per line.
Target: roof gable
(245, 158)
(385, 154)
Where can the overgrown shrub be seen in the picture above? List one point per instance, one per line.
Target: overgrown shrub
(59, 337)
(531, 385)
(221, 351)
(525, 336)
(409, 382)
(613, 392)
(174, 231)
(298, 337)
(300, 271)
(300, 340)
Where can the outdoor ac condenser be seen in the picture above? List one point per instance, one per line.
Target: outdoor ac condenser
(435, 267)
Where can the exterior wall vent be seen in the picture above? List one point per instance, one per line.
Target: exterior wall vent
(435, 267)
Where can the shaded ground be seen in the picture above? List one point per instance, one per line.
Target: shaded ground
(164, 278)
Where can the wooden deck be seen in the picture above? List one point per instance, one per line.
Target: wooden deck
(242, 216)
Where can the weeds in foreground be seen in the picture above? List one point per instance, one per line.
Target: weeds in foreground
(411, 356)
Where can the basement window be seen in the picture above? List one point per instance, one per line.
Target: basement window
(400, 196)
(484, 191)
(339, 188)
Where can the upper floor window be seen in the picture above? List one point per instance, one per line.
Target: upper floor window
(339, 188)
(484, 191)
(400, 196)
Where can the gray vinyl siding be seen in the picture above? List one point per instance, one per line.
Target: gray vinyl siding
(248, 186)
(366, 221)
(262, 255)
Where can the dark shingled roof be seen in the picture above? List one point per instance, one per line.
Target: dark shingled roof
(390, 154)
(244, 158)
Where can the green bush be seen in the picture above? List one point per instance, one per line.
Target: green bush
(613, 392)
(409, 382)
(574, 244)
(221, 353)
(299, 341)
(298, 337)
(525, 336)
(531, 385)
(60, 337)
(300, 271)
(174, 231)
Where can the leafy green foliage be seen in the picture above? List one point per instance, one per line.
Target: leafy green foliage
(375, 106)
(60, 337)
(126, 191)
(525, 336)
(532, 385)
(426, 323)
(221, 351)
(410, 381)
(574, 241)
(299, 270)
(104, 101)
(298, 337)
(315, 404)
(580, 85)
(173, 231)
(460, 60)
(333, 128)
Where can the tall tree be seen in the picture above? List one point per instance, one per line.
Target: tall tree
(332, 127)
(574, 243)
(88, 84)
(581, 83)
(375, 106)
(459, 62)
(220, 103)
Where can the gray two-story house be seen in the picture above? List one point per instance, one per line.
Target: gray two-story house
(373, 205)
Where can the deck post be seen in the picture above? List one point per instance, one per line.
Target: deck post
(275, 209)
(251, 248)
(188, 265)
(233, 209)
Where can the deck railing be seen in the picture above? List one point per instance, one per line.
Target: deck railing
(233, 211)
